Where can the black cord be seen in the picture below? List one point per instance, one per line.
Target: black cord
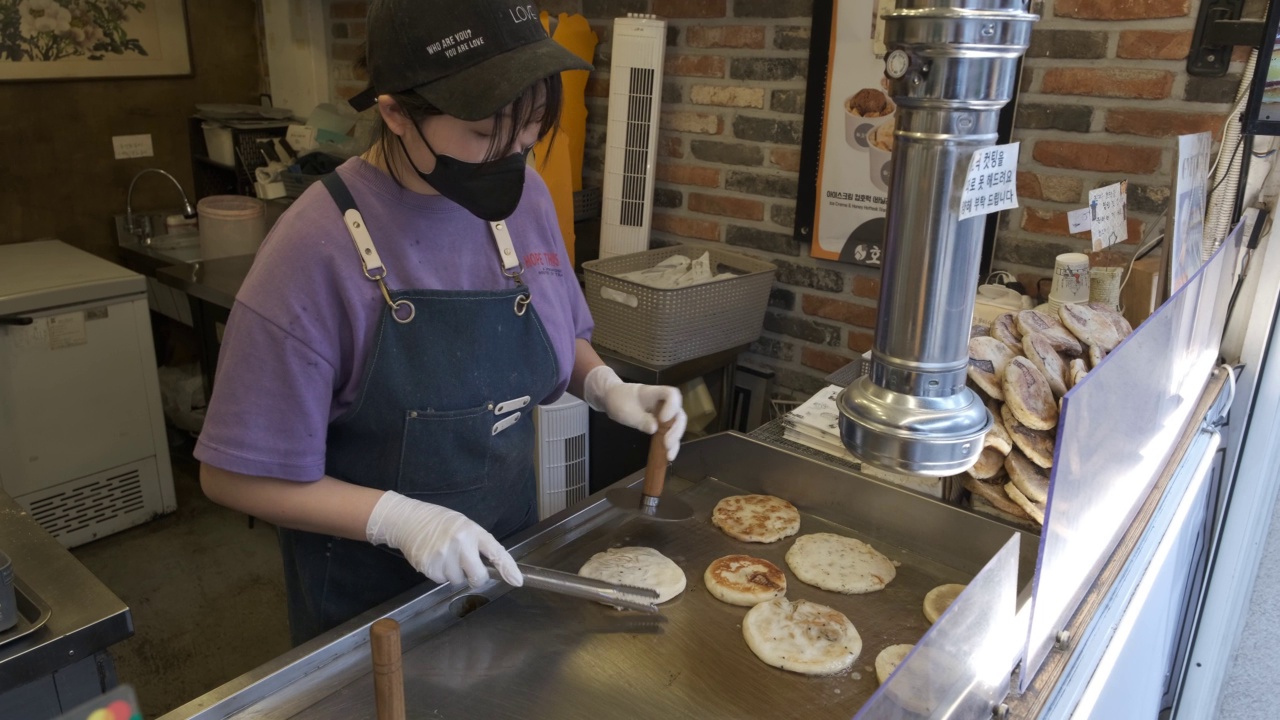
(1255, 234)
(1145, 251)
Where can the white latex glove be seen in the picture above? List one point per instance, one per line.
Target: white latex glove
(636, 405)
(440, 543)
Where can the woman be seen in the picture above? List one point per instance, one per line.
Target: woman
(384, 355)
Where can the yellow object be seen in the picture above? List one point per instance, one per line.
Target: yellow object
(698, 405)
(559, 162)
(573, 32)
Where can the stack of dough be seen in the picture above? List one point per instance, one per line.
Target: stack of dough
(1023, 363)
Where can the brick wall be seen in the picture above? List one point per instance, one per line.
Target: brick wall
(728, 165)
(1103, 95)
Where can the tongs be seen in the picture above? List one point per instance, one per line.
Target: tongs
(620, 596)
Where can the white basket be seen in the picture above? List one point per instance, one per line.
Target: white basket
(561, 454)
(667, 326)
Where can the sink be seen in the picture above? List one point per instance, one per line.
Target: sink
(174, 241)
(182, 246)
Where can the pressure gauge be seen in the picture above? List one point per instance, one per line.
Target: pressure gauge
(896, 64)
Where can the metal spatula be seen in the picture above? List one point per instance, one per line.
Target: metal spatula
(623, 596)
(648, 501)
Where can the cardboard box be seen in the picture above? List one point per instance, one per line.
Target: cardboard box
(1143, 292)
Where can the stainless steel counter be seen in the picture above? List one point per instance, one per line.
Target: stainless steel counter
(213, 281)
(527, 654)
(87, 616)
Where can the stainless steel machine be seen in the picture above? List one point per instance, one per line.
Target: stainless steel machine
(952, 66)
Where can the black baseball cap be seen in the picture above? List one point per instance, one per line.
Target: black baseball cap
(469, 58)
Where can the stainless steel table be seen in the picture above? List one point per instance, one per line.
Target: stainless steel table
(64, 662)
(211, 287)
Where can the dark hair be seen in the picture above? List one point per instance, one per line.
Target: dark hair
(506, 129)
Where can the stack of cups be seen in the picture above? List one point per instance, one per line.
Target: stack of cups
(1104, 285)
(1070, 281)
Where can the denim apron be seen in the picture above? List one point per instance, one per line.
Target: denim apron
(443, 416)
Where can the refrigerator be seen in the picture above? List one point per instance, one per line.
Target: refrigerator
(83, 446)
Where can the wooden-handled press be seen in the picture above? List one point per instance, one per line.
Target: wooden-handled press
(388, 672)
(648, 500)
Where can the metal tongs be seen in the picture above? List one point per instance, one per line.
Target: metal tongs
(621, 596)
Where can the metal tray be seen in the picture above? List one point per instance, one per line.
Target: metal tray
(33, 613)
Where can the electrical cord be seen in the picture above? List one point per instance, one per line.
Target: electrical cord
(1255, 235)
(1143, 249)
(1235, 150)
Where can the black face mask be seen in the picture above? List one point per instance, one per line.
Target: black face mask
(489, 190)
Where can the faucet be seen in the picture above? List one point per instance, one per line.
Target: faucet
(141, 227)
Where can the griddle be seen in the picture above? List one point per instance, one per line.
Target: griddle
(500, 653)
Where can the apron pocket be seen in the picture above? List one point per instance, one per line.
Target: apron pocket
(445, 452)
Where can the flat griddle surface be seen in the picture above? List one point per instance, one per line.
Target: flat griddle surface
(533, 654)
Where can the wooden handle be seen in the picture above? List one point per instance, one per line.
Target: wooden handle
(388, 673)
(655, 472)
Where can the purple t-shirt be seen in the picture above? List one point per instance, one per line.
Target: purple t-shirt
(303, 324)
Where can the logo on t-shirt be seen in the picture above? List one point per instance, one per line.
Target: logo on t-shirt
(544, 263)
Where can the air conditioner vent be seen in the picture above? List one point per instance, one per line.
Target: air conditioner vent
(83, 505)
(635, 81)
(561, 455)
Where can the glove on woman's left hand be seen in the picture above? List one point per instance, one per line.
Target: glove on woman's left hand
(638, 406)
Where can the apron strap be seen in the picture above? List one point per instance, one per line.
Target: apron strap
(511, 265)
(401, 310)
(373, 268)
(506, 250)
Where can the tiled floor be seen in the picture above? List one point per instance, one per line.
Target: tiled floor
(206, 591)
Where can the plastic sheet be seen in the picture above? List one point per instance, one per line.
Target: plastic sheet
(1117, 429)
(960, 668)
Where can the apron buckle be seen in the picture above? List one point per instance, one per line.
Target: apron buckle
(522, 304)
(395, 311)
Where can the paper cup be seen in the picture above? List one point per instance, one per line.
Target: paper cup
(880, 155)
(1070, 278)
(858, 128)
(1104, 285)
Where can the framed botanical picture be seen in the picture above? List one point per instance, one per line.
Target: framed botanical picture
(79, 39)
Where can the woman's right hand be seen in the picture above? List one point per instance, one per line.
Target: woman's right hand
(441, 543)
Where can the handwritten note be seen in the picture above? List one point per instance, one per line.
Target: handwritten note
(991, 184)
(1107, 207)
(1080, 220)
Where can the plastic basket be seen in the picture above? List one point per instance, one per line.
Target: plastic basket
(666, 327)
(586, 203)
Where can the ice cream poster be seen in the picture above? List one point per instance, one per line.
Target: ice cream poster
(857, 138)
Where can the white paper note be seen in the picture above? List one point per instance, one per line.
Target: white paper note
(991, 184)
(1080, 220)
(1107, 207)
